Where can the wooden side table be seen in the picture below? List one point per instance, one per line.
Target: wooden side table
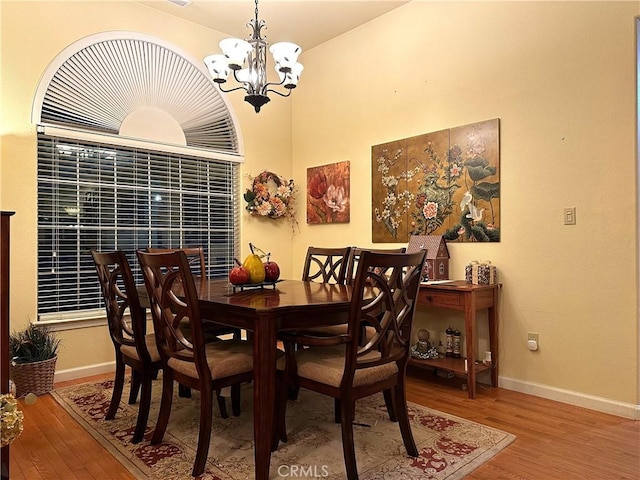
(468, 298)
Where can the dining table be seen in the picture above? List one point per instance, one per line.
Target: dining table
(264, 310)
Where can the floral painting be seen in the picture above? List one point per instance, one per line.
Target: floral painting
(442, 183)
(328, 193)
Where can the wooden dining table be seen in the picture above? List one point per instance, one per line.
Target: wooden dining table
(288, 304)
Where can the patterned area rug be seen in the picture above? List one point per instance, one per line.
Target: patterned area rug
(449, 447)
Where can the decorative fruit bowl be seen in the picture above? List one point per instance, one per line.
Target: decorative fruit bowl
(240, 288)
(253, 272)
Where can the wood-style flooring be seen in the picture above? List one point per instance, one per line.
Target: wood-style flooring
(554, 440)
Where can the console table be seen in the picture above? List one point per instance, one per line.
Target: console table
(468, 298)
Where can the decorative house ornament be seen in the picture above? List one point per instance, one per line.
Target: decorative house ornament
(436, 263)
(248, 61)
(271, 196)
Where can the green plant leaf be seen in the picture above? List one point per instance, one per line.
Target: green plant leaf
(479, 168)
(249, 196)
(486, 190)
(34, 344)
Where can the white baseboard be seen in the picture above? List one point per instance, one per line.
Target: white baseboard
(592, 402)
(85, 371)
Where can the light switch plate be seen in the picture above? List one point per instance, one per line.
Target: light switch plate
(570, 215)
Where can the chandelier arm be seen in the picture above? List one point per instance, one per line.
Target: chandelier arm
(267, 85)
(241, 87)
(277, 92)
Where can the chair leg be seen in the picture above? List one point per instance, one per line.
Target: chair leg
(347, 413)
(388, 401)
(135, 386)
(403, 420)
(204, 435)
(118, 384)
(143, 408)
(184, 391)
(293, 392)
(279, 423)
(165, 407)
(337, 415)
(235, 399)
(222, 404)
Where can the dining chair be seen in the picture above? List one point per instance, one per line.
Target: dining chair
(347, 371)
(200, 365)
(326, 265)
(127, 327)
(350, 264)
(354, 257)
(197, 262)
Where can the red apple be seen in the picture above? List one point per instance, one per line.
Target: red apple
(239, 275)
(271, 271)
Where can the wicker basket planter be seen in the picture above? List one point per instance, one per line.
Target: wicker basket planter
(34, 377)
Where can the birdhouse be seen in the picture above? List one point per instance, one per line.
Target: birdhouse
(436, 263)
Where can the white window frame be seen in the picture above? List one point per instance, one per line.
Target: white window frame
(60, 197)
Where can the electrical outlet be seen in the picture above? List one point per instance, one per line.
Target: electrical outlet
(533, 336)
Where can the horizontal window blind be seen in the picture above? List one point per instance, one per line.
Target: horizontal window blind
(105, 197)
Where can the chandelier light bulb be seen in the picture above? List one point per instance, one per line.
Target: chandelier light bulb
(285, 54)
(218, 67)
(236, 51)
(290, 79)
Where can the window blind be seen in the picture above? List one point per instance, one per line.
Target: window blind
(106, 197)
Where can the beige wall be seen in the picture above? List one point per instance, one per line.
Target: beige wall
(33, 33)
(560, 76)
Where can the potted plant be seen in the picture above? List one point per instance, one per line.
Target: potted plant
(33, 355)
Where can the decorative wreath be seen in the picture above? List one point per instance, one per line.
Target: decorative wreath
(11, 419)
(270, 196)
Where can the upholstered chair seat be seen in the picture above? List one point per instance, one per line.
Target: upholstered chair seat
(326, 366)
(150, 342)
(223, 358)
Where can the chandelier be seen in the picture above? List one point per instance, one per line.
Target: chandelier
(248, 61)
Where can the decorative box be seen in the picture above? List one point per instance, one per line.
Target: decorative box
(481, 273)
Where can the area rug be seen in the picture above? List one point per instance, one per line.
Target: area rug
(449, 447)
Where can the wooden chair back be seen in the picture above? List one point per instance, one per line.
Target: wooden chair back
(354, 257)
(326, 265)
(195, 256)
(121, 297)
(385, 292)
(166, 275)
(196, 259)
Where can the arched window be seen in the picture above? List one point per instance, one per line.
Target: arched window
(136, 148)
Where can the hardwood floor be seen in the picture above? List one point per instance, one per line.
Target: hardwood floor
(554, 440)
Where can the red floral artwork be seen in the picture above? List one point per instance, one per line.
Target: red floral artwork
(328, 193)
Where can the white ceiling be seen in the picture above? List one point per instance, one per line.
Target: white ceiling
(305, 22)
